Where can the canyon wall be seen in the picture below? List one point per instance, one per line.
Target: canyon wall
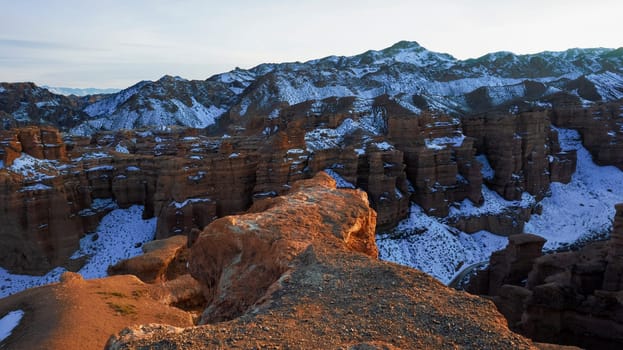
(61, 189)
(571, 297)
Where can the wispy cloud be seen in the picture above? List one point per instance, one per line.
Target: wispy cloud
(39, 45)
(146, 46)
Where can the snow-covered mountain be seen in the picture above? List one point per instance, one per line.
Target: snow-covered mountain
(67, 91)
(418, 79)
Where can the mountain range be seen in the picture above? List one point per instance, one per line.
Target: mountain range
(414, 77)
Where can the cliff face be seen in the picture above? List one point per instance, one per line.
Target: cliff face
(568, 298)
(599, 125)
(187, 180)
(297, 272)
(522, 151)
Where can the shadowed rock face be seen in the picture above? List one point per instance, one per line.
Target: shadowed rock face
(599, 125)
(571, 297)
(295, 272)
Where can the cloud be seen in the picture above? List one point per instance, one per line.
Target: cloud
(39, 45)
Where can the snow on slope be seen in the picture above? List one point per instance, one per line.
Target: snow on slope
(8, 323)
(108, 105)
(573, 212)
(609, 85)
(583, 207)
(159, 114)
(120, 234)
(34, 169)
(434, 247)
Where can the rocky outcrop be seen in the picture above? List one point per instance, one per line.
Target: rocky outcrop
(599, 125)
(271, 239)
(440, 161)
(569, 297)
(40, 142)
(297, 272)
(522, 151)
(81, 314)
(161, 260)
(508, 266)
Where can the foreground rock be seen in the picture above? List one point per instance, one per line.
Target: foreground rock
(571, 297)
(80, 314)
(300, 271)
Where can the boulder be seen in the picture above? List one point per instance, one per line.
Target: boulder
(161, 260)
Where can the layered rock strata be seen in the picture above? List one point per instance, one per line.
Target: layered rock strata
(187, 180)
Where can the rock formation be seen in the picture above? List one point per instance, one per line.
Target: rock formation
(599, 126)
(296, 272)
(162, 260)
(81, 314)
(522, 151)
(187, 179)
(571, 297)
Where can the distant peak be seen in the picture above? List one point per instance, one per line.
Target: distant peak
(404, 44)
(167, 78)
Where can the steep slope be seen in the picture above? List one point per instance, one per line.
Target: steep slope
(28, 104)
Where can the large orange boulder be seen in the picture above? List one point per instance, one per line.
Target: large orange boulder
(237, 258)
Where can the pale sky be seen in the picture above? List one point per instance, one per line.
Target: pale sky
(116, 43)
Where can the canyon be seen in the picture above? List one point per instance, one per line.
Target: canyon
(263, 282)
(235, 178)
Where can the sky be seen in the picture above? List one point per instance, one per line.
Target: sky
(116, 43)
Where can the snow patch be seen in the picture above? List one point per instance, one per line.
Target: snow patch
(8, 323)
(36, 187)
(34, 169)
(487, 171)
(179, 205)
(47, 104)
(585, 206)
(339, 180)
(442, 142)
(120, 235)
(426, 243)
(383, 146)
(493, 204)
(92, 155)
(121, 149)
(101, 168)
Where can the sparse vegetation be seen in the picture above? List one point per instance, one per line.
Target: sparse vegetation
(122, 309)
(113, 294)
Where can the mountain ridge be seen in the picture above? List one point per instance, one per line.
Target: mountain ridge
(404, 71)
